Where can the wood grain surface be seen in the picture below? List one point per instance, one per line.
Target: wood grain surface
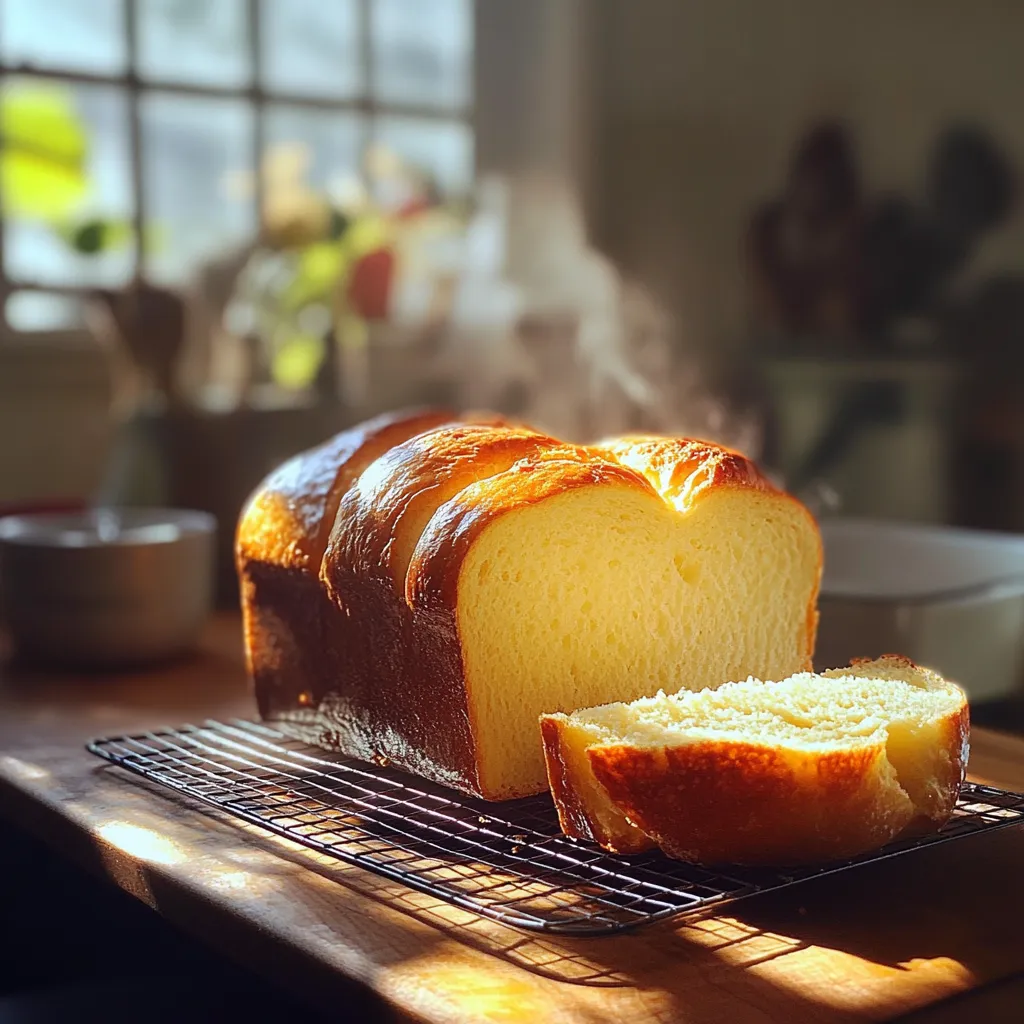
(869, 944)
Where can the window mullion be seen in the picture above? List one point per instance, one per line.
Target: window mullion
(5, 284)
(363, 103)
(366, 60)
(258, 108)
(131, 30)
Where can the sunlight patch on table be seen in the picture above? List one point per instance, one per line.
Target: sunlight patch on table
(141, 842)
(22, 769)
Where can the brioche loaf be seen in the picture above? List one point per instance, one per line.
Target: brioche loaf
(813, 768)
(420, 594)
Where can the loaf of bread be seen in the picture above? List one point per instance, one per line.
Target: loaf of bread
(810, 769)
(420, 594)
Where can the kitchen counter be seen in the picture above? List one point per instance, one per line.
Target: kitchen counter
(937, 932)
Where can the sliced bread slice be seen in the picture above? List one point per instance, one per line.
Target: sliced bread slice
(809, 769)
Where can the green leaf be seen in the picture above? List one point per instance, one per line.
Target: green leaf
(90, 237)
(94, 235)
(338, 223)
(43, 162)
(318, 268)
(297, 360)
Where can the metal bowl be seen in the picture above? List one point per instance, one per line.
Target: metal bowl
(109, 587)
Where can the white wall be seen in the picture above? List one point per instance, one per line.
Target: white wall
(700, 103)
(533, 100)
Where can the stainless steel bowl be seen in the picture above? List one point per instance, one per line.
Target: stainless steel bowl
(106, 587)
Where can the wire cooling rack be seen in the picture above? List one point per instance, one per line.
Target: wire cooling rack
(506, 861)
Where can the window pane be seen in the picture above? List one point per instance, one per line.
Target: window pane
(194, 41)
(442, 149)
(66, 183)
(422, 51)
(42, 311)
(197, 179)
(310, 47)
(64, 33)
(323, 148)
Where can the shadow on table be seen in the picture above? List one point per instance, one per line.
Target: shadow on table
(888, 918)
(77, 949)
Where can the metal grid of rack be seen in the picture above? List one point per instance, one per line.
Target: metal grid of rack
(508, 861)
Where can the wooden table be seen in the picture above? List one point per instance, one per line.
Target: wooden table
(917, 931)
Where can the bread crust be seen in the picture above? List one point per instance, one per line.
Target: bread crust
(740, 803)
(584, 810)
(282, 533)
(289, 517)
(682, 469)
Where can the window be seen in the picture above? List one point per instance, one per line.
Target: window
(138, 135)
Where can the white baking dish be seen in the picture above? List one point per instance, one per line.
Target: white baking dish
(949, 598)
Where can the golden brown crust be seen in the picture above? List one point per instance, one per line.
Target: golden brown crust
(288, 519)
(682, 470)
(564, 786)
(385, 512)
(280, 542)
(575, 801)
(718, 802)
